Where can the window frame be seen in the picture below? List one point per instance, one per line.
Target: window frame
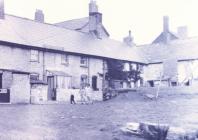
(36, 75)
(34, 55)
(84, 59)
(65, 59)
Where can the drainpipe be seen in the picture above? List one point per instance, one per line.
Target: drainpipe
(103, 77)
(44, 73)
(88, 71)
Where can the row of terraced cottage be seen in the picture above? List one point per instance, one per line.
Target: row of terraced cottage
(48, 62)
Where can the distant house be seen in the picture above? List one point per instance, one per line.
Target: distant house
(166, 36)
(172, 58)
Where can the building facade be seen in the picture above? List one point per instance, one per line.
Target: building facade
(42, 62)
(46, 62)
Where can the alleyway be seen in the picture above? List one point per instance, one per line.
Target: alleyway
(100, 121)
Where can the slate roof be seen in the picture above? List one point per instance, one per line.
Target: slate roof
(81, 25)
(163, 37)
(28, 32)
(75, 24)
(186, 49)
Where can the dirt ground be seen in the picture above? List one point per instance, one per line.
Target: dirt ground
(100, 121)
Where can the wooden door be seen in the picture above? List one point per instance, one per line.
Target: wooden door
(94, 83)
(51, 88)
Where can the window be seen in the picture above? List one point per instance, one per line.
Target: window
(64, 59)
(34, 55)
(84, 61)
(34, 77)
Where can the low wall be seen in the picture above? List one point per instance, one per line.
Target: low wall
(64, 95)
(177, 90)
(38, 93)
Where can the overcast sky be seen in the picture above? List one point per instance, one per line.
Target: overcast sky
(143, 17)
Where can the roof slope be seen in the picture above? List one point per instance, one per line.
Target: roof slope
(82, 25)
(178, 49)
(163, 37)
(28, 32)
(74, 24)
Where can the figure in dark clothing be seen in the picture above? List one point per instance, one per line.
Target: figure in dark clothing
(72, 101)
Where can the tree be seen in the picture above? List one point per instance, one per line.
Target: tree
(116, 71)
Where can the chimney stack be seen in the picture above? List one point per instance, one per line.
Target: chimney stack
(129, 39)
(39, 16)
(95, 18)
(2, 13)
(166, 24)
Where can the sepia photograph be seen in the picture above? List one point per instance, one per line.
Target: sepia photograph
(98, 70)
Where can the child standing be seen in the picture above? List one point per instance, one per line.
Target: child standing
(72, 100)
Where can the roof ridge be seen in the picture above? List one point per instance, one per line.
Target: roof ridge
(70, 20)
(45, 23)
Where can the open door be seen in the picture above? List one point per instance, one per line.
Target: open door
(51, 88)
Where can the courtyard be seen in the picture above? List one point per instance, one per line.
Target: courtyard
(98, 121)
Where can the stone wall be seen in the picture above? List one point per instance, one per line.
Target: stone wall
(164, 91)
(63, 95)
(52, 62)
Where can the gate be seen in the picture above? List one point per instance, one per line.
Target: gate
(4, 95)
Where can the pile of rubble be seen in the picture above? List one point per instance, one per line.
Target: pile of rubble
(152, 131)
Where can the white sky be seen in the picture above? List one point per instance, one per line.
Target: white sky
(143, 17)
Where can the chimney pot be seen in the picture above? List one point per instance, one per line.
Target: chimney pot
(39, 16)
(130, 33)
(93, 7)
(129, 39)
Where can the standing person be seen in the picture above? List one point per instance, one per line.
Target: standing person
(72, 100)
(82, 95)
(88, 93)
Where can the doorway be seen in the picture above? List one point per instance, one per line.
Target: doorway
(4, 93)
(51, 88)
(0, 80)
(94, 83)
